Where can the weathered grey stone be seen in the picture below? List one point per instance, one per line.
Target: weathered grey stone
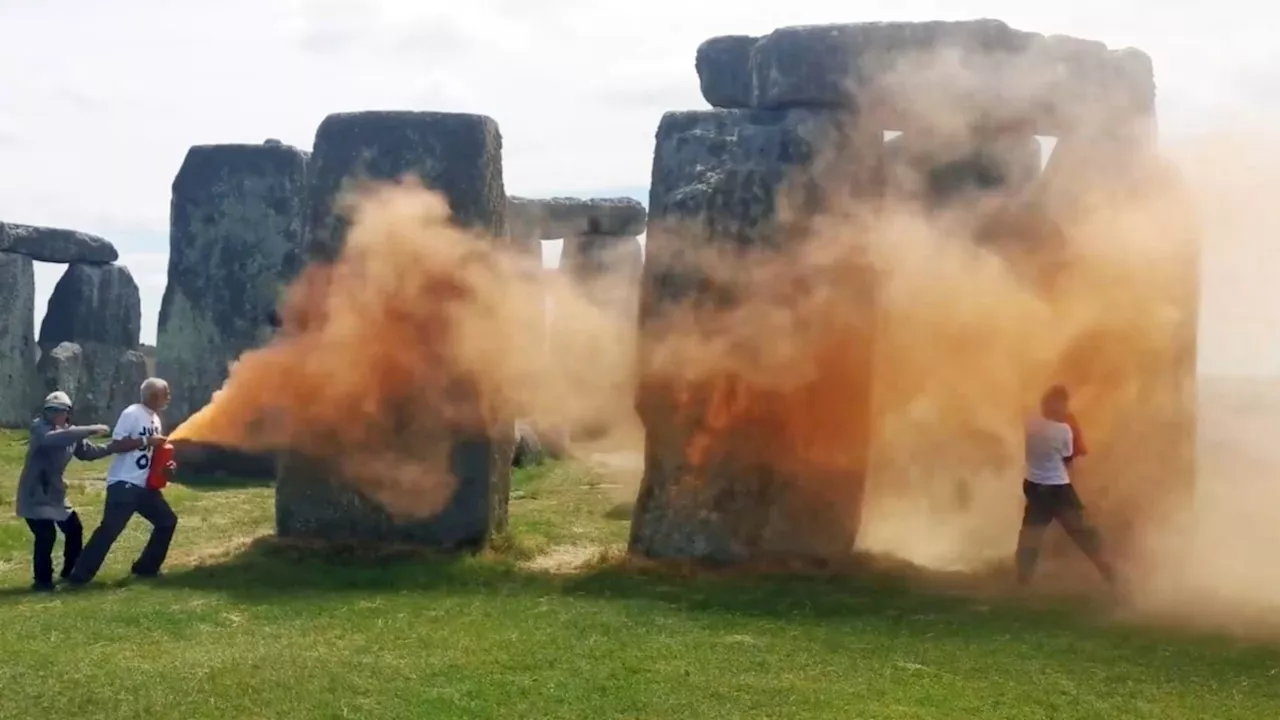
(939, 172)
(95, 314)
(722, 173)
(1058, 81)
(93, 303)
(17, 340)
(235, 238)
(1121, 171)
(529, 450)
(608, 268)
(724, 70)
(720, 180)
(102, 380)
(56, 245)
(588, 255)
(60, 368)
(562, 217)
(458, 154)
(311, 502)
(829, 65)
(121, 371)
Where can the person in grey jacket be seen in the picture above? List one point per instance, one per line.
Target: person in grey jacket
(42, 490)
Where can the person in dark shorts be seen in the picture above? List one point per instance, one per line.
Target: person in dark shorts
(1051, 445)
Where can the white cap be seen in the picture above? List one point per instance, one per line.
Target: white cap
(57, 400)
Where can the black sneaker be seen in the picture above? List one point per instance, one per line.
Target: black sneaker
(42, 587)
(147, 575)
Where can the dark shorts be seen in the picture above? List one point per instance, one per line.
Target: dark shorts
(1048, 502)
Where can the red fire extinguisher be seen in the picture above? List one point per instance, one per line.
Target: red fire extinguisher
(158, 475)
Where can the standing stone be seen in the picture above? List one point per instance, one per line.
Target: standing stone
(93, 303)
(608, 267)
(60, 368)
(736, 468)
(1137, 496)
(17, 340)
(93, 320)
(529, 450)
(235, 238)
(110, 379)
(102, 380)
(524, 227)
(56, 245)
(459, 156)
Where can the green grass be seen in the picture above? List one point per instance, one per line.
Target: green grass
(244, 627)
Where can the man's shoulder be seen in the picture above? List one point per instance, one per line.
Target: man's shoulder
(133, 415)
(1045, 426)
(135, 410)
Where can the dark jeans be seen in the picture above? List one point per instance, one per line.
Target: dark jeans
(1046, 503)
(46, 532)
(123, 500)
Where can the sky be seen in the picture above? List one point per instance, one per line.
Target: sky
(100, 100)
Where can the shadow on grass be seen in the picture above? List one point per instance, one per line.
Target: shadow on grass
(62, 590)
(271, 571)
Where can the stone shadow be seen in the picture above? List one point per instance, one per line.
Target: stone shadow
(273, 572)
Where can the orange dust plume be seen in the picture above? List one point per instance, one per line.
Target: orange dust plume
(418, 332)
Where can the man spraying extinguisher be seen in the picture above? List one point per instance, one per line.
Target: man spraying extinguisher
(134, 487)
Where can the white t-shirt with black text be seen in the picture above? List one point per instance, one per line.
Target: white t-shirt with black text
(137, 421)
(1049, 444)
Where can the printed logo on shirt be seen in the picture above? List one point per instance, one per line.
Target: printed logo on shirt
(143, 461)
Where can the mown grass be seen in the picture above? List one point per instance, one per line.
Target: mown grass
(244, 627)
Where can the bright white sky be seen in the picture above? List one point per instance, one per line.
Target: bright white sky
(102, 99)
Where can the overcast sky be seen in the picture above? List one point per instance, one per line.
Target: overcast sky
(100, 99)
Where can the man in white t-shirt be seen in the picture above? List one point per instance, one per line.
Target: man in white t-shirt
(1050, 448)
(127, 491)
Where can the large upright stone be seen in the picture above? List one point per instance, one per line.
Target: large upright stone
(1148, 396)
(17, 339)
(102, 380)
(457, 154)
(93, 322)
(460, 156)
(608, 267)
(60, 368)
(235, 238)
(742, 462)
(94, 304)
(56, 245)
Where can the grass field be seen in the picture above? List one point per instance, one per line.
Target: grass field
(242, 627)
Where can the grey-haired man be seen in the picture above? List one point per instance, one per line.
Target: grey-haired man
(127, 491)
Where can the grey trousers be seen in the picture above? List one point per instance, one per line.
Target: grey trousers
(123, 500)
